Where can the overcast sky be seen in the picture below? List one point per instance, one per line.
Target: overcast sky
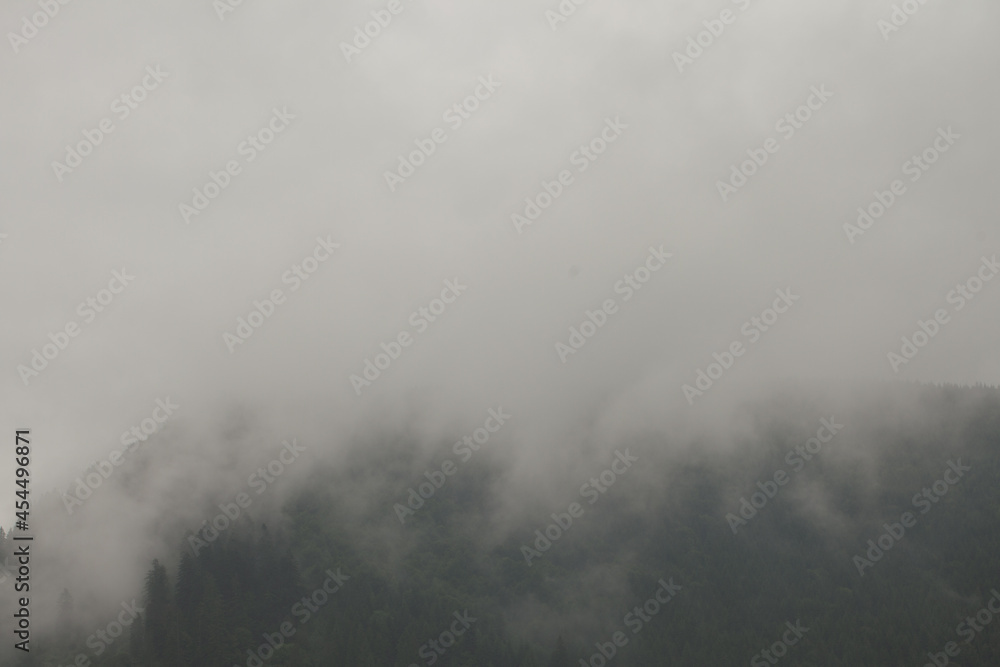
(879, 97)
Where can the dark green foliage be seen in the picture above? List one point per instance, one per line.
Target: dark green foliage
(560, 656)
(791, 562)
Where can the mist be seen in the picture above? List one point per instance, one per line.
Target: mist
(636, 145)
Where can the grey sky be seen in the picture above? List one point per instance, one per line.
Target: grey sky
(323, 176)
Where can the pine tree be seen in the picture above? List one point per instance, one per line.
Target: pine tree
(137, 641)
(162, 627)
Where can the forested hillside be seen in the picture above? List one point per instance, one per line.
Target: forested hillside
(667, 567)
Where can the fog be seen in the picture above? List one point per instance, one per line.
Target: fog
(651, 197)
